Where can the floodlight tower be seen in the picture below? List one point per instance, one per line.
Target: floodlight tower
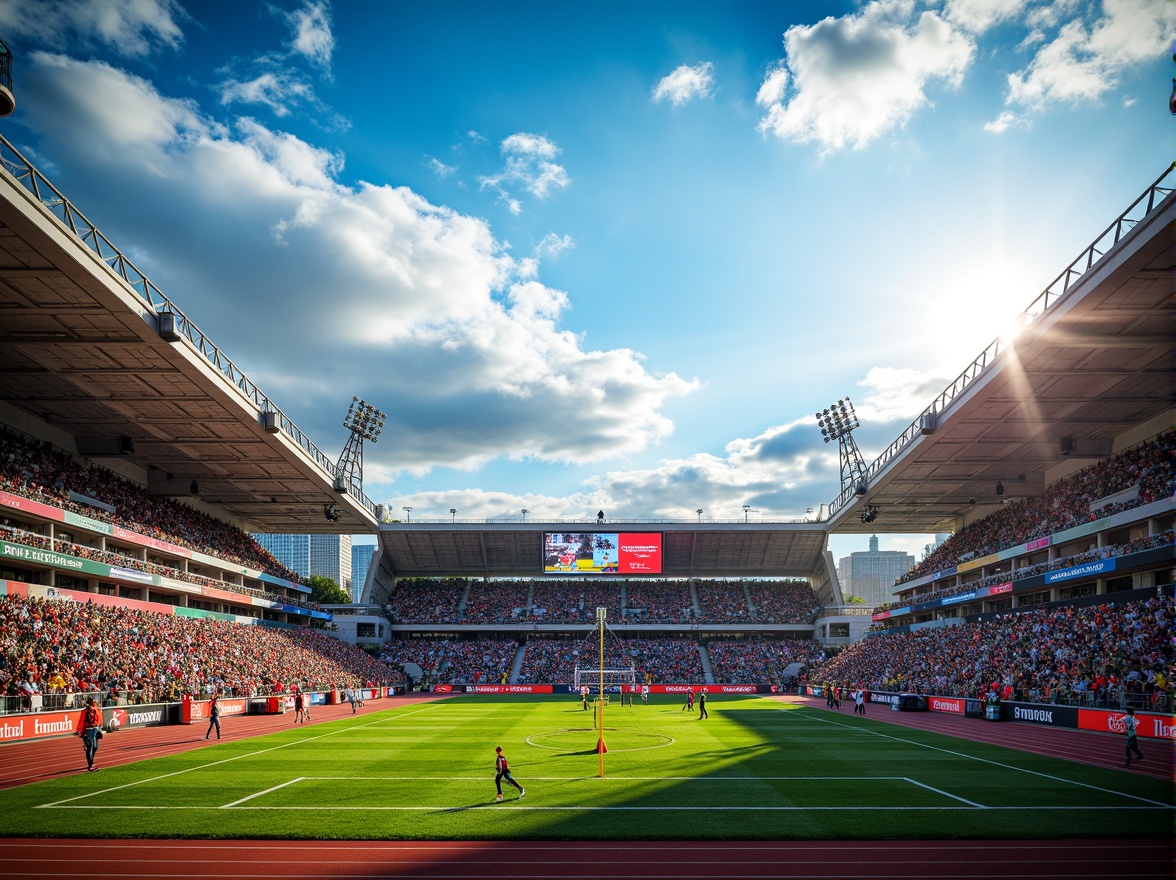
(837, 422)
(364, 422)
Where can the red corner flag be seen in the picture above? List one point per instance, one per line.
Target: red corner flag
(601, 747)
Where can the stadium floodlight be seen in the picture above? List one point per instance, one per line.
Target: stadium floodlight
(837, 422)
(699, 512)
(407, 513)
(365, 422)
(453, 514)
(525, 512)
(746, 510)
(364, 419)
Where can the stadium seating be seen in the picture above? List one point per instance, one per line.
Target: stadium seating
(1110, 654)
(1150, 466)
(142, 656)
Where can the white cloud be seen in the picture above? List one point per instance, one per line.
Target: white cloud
(552, 245)
(313, 38)
(529, 164)
(780, 472)
(439, 168)
(317, 287)
(857, 77)
(278, 91)
(130, 27)
(279, 79)
(1083, 61)
(774, 87)
(978, 16)
(684, 83)
(1004, 122)
(893, 394)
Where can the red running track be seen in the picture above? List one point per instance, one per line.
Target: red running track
(660, 860)
(655, 860)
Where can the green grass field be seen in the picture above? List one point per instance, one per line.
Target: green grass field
(756, 769)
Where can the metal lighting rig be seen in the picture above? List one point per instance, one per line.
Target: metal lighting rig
(365, 422)
(837, 422)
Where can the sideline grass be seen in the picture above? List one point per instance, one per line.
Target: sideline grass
(755, 769)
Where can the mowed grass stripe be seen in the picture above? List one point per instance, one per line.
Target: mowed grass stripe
(753, 770)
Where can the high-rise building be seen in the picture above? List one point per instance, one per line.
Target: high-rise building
(871, 575)
(313, 555)
(940, 537)
(361, 558)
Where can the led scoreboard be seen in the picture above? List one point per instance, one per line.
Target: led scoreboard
(615, 553)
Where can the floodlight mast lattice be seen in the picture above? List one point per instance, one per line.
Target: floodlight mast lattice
(365, 422)
(837, 422)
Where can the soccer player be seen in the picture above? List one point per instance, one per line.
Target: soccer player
(584, 696)
(689, 704)
(502, 771)
(299, 707)
(1131, 728)
(859, 702)
(645, 694)
(702, 705)
(351, 698)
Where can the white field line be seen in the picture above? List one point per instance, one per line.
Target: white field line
(260, 793)
(911, 742)
(946, 794)
(482, 779)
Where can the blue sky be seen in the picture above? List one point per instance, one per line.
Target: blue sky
(600, 256)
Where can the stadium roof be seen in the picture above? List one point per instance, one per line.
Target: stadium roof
(81, 348)
(688, 549)
(1092, 361)
(85, 346)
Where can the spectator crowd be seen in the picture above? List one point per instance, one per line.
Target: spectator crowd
(42, 473)
(1149, 468)
(1112, 654)
(58, 646)
(504, 601)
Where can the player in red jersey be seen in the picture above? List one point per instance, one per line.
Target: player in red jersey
(502, 771)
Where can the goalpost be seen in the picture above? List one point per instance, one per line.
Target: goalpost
(602, 679)
(609, 676)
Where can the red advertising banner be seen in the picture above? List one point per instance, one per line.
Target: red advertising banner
(147, 541)
(995, 589)
(710, 688)
(1150, 726)
(7, 499)
(197, 710)
(20, 727)
(954, 705)
(639, 553)
(508, 689)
